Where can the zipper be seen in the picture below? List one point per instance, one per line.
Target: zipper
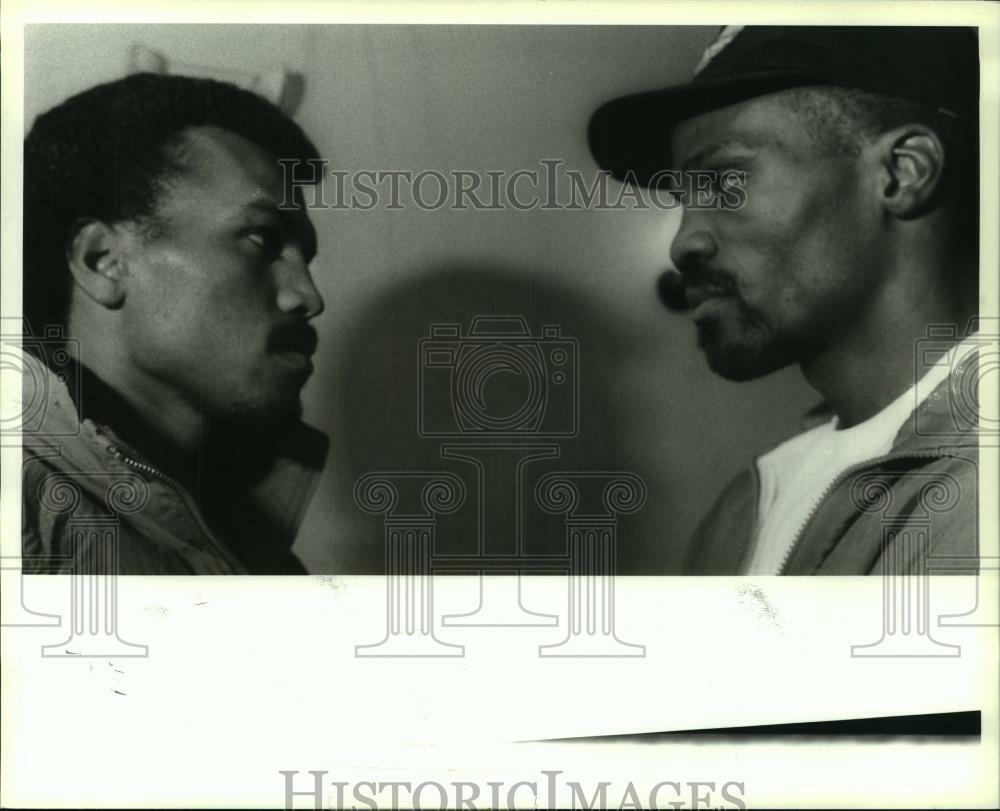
(185, 496)
(751, 543)
(837, 482)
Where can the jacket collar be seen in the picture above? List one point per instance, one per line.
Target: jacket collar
(947, 418)
(82, 437)
(942, 420)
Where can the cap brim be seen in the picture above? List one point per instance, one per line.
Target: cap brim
(630, 136)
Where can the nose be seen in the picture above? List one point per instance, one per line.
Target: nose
(297, 294)
(693, 242)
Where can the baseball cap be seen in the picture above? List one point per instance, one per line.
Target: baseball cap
(935, 66)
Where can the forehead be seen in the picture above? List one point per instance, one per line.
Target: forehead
(764, 121)
(226, 168)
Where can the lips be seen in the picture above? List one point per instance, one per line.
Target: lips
(699, 295)
(295, 341)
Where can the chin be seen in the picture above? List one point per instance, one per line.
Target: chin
(741, 369)
(268, 407)
(741, 360)
(284, 410)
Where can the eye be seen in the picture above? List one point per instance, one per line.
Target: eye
(267, 238)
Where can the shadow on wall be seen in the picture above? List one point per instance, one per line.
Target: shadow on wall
(496, 376)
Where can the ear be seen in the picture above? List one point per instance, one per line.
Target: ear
(95, 259)
(912, 159)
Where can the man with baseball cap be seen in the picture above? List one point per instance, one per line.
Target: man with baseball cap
(856, 249)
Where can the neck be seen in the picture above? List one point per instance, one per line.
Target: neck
(872, 361)
(159, 418)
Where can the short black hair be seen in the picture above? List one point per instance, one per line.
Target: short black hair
(105, 154)
(841, 118)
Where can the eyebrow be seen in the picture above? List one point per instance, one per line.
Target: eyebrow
(703, 155)
(301, 227)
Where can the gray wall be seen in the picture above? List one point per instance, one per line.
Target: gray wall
(477, 98)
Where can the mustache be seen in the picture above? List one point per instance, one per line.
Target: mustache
(672, 285)
(293, 337)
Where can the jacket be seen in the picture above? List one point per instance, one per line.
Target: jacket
(914, 509)
(93, 504)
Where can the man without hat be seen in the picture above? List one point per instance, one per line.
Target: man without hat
(168, 294)
(855, 250)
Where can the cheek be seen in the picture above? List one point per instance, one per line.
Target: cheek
(197, 300)
(796, 237)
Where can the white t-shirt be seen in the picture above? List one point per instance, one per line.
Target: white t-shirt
(795, 475)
